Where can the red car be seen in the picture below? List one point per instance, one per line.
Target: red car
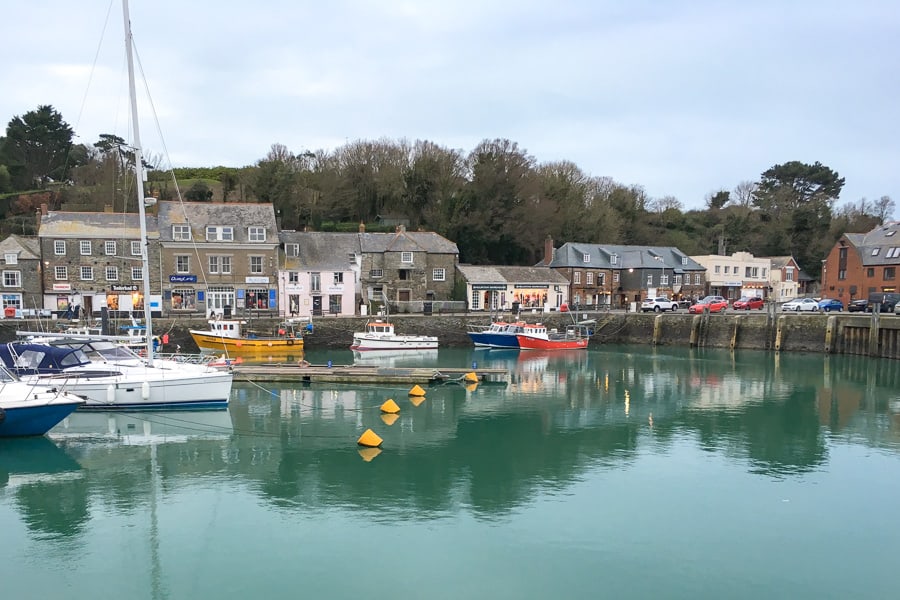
(747, 303)
(712, 304)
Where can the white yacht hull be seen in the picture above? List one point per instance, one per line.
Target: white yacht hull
(155, 389)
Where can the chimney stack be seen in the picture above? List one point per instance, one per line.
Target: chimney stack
(548, 251)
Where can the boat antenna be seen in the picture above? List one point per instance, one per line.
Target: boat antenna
(139, 183)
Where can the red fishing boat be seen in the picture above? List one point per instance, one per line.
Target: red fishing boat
(538, 337)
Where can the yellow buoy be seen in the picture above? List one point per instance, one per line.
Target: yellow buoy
(417, 400)
(390, 406)
(472, 376)
(389, 418)
(417, 391)
(369, 438)
(368, 454)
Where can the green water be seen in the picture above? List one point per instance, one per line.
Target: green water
(624, 472)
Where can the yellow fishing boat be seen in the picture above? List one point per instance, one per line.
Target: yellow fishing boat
(227, 337)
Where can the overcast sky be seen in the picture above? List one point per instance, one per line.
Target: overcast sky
(681, 97)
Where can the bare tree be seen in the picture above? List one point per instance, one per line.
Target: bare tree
(884, 209)
(742, 195)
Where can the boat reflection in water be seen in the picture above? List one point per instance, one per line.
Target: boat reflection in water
(142, 428)
(426, 357)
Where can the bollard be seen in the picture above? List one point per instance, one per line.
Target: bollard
(474, 364)
(329, 364)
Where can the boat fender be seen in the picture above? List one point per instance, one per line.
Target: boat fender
(2, 415)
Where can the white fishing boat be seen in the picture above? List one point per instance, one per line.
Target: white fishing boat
(380, 335)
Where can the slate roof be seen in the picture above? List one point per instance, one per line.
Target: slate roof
(501, 274)
(25, 247)
(62, 224)
(406, 241)
(883, 238)
(199, 215)
(321, 250)
(780, 262)
(571, 255)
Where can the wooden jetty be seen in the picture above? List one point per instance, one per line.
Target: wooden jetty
(361, 374)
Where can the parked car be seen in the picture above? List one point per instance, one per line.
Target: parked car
(885, 301)
(711, 304)
(858, 305)
(748, 303)
(830, 304)
(658, 304)
(801, 305)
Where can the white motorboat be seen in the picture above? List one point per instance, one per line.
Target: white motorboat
(380, 335)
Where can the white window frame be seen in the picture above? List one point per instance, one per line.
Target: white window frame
(696, 278)
(225, 265)
(292, 249)
(86, 273)
(137, 273)
(212, 262)
(615, 277)
(613, 259)
(589, 278)
(376, 273)
(338, 278)
(256, 234)
(182, 263)
(59, 247)
(112, 273)
(576, 277)
(219, 233)
(135, 248)
(109, 247)
(293, 277)
(11, 258)
(439, 274)
(256, 265)
(61, 273)
(181, 233)
(84, 247)
(14, 279)
(406, 257)
(586, 258)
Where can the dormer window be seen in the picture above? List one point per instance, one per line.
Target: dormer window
(181, 233)
(11, 258)
(614, 259)
(684, 260)
(219, 234)
(587, 258)
(256, 234)
(292, 249)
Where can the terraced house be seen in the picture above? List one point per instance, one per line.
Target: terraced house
(92, 260)
(615, 276)
(218, 258)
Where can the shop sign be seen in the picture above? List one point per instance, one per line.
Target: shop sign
(488, 286)
(531, 286)
(124, 288)
(182, 278)
(62, 287)
(256, 280)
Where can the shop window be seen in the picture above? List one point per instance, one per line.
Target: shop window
(258, 298)
(184, 299)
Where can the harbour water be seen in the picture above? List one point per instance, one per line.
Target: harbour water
(618, 472)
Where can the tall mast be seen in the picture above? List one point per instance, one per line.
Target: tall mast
(139, 184)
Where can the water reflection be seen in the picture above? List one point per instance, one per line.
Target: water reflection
(488, 449)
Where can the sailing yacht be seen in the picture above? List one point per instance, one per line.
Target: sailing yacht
(120, 384)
